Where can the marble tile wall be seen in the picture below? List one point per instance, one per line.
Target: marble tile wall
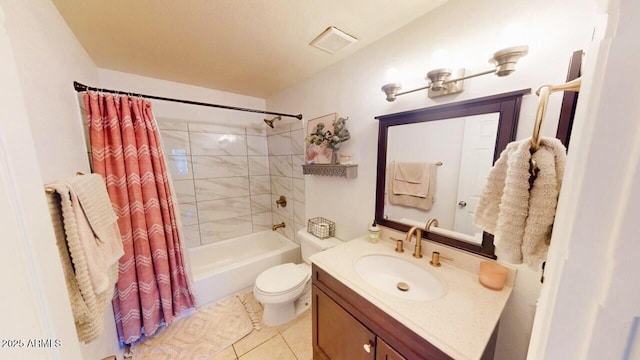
(285, 144)
(221, 175)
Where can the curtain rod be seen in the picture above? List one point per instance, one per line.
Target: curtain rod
(81, 87)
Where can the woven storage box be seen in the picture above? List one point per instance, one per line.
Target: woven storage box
(321, 227)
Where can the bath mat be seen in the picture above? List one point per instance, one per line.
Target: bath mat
(201, 334)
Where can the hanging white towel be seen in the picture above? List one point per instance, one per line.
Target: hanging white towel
(102, 243)
(87, 306)
(520, 218)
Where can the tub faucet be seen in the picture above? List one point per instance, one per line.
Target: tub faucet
(417, 252)
(278, 226)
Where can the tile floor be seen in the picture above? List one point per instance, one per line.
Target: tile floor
(286, 342)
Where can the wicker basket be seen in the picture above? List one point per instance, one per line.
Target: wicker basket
(321, 227)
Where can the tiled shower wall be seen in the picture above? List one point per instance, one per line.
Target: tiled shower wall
(286, 156)
(221, 177)
(227, 178)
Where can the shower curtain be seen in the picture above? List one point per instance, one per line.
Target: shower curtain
(153, 286)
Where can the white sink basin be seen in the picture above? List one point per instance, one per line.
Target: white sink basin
(387, 273)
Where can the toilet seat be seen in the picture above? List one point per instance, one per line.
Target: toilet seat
(282, 279)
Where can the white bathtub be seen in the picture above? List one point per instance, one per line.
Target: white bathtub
(226, 267)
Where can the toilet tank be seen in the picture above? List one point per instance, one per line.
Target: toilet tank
(309, 244)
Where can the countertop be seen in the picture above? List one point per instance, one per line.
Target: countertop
(460, 323)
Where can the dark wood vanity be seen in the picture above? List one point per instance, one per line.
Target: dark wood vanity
(347, 326)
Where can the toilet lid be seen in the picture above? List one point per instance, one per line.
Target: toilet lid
(281, 278)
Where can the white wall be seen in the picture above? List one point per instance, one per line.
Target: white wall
(49, 58)
(470, 31)
(116, 80)
(590, 307)
(34, 305)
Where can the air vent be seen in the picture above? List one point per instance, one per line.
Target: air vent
(333, 40)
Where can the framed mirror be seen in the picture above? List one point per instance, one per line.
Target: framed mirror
(433, 163)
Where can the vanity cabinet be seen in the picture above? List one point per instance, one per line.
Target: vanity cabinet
(339, 335)
(346, 326)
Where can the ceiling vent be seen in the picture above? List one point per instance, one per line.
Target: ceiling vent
(333, 40)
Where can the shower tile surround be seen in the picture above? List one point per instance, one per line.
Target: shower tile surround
(286, 156)
(228, 178)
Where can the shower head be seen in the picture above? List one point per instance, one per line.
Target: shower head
(270, 122)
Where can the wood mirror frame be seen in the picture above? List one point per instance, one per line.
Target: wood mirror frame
(506, 104)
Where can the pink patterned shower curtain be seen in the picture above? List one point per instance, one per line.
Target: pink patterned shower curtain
(152, 286)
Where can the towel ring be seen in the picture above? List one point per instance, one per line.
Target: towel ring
(544, 92)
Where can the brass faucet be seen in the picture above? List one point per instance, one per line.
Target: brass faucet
(278, 226)
(430, 223)
(417, 252)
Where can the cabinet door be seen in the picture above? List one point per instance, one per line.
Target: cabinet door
(337, 335)
(386, 352)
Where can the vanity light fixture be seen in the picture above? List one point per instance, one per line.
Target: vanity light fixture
(441, 84)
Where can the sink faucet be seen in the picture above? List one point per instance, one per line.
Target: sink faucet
(417, 252)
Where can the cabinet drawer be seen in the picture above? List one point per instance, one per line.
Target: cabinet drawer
(385, 352)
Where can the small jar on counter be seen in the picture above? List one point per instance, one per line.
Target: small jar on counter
(374, 232)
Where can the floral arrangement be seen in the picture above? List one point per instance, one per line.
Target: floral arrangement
(334, 139)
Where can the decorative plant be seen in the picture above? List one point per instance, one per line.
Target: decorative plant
(333, 139)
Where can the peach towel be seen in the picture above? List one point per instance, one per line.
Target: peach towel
(411, 179)
(424, 203)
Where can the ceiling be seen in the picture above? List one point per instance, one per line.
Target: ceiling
(250, 47)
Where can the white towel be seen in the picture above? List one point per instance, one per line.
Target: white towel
(87, 306)
(520, 218)
(100, 236)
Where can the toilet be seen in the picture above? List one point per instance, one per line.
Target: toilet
(285, 290)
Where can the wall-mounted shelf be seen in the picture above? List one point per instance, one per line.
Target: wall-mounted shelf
(346, 171)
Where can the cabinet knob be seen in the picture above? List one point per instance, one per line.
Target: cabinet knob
(462, 204)
(367, 347)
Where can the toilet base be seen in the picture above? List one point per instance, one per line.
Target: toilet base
(278, 314)
(303, 303)
(282, 313)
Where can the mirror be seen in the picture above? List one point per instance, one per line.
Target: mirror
(461, 153)
(433, 163)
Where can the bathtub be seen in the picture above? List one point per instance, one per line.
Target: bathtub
(226, 267)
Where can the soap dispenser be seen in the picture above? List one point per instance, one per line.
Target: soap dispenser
(374, 232)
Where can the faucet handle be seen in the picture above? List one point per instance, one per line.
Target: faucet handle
(399, 245)
(281, 202)
(435, 259)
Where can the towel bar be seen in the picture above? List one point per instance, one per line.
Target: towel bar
(50, 190)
